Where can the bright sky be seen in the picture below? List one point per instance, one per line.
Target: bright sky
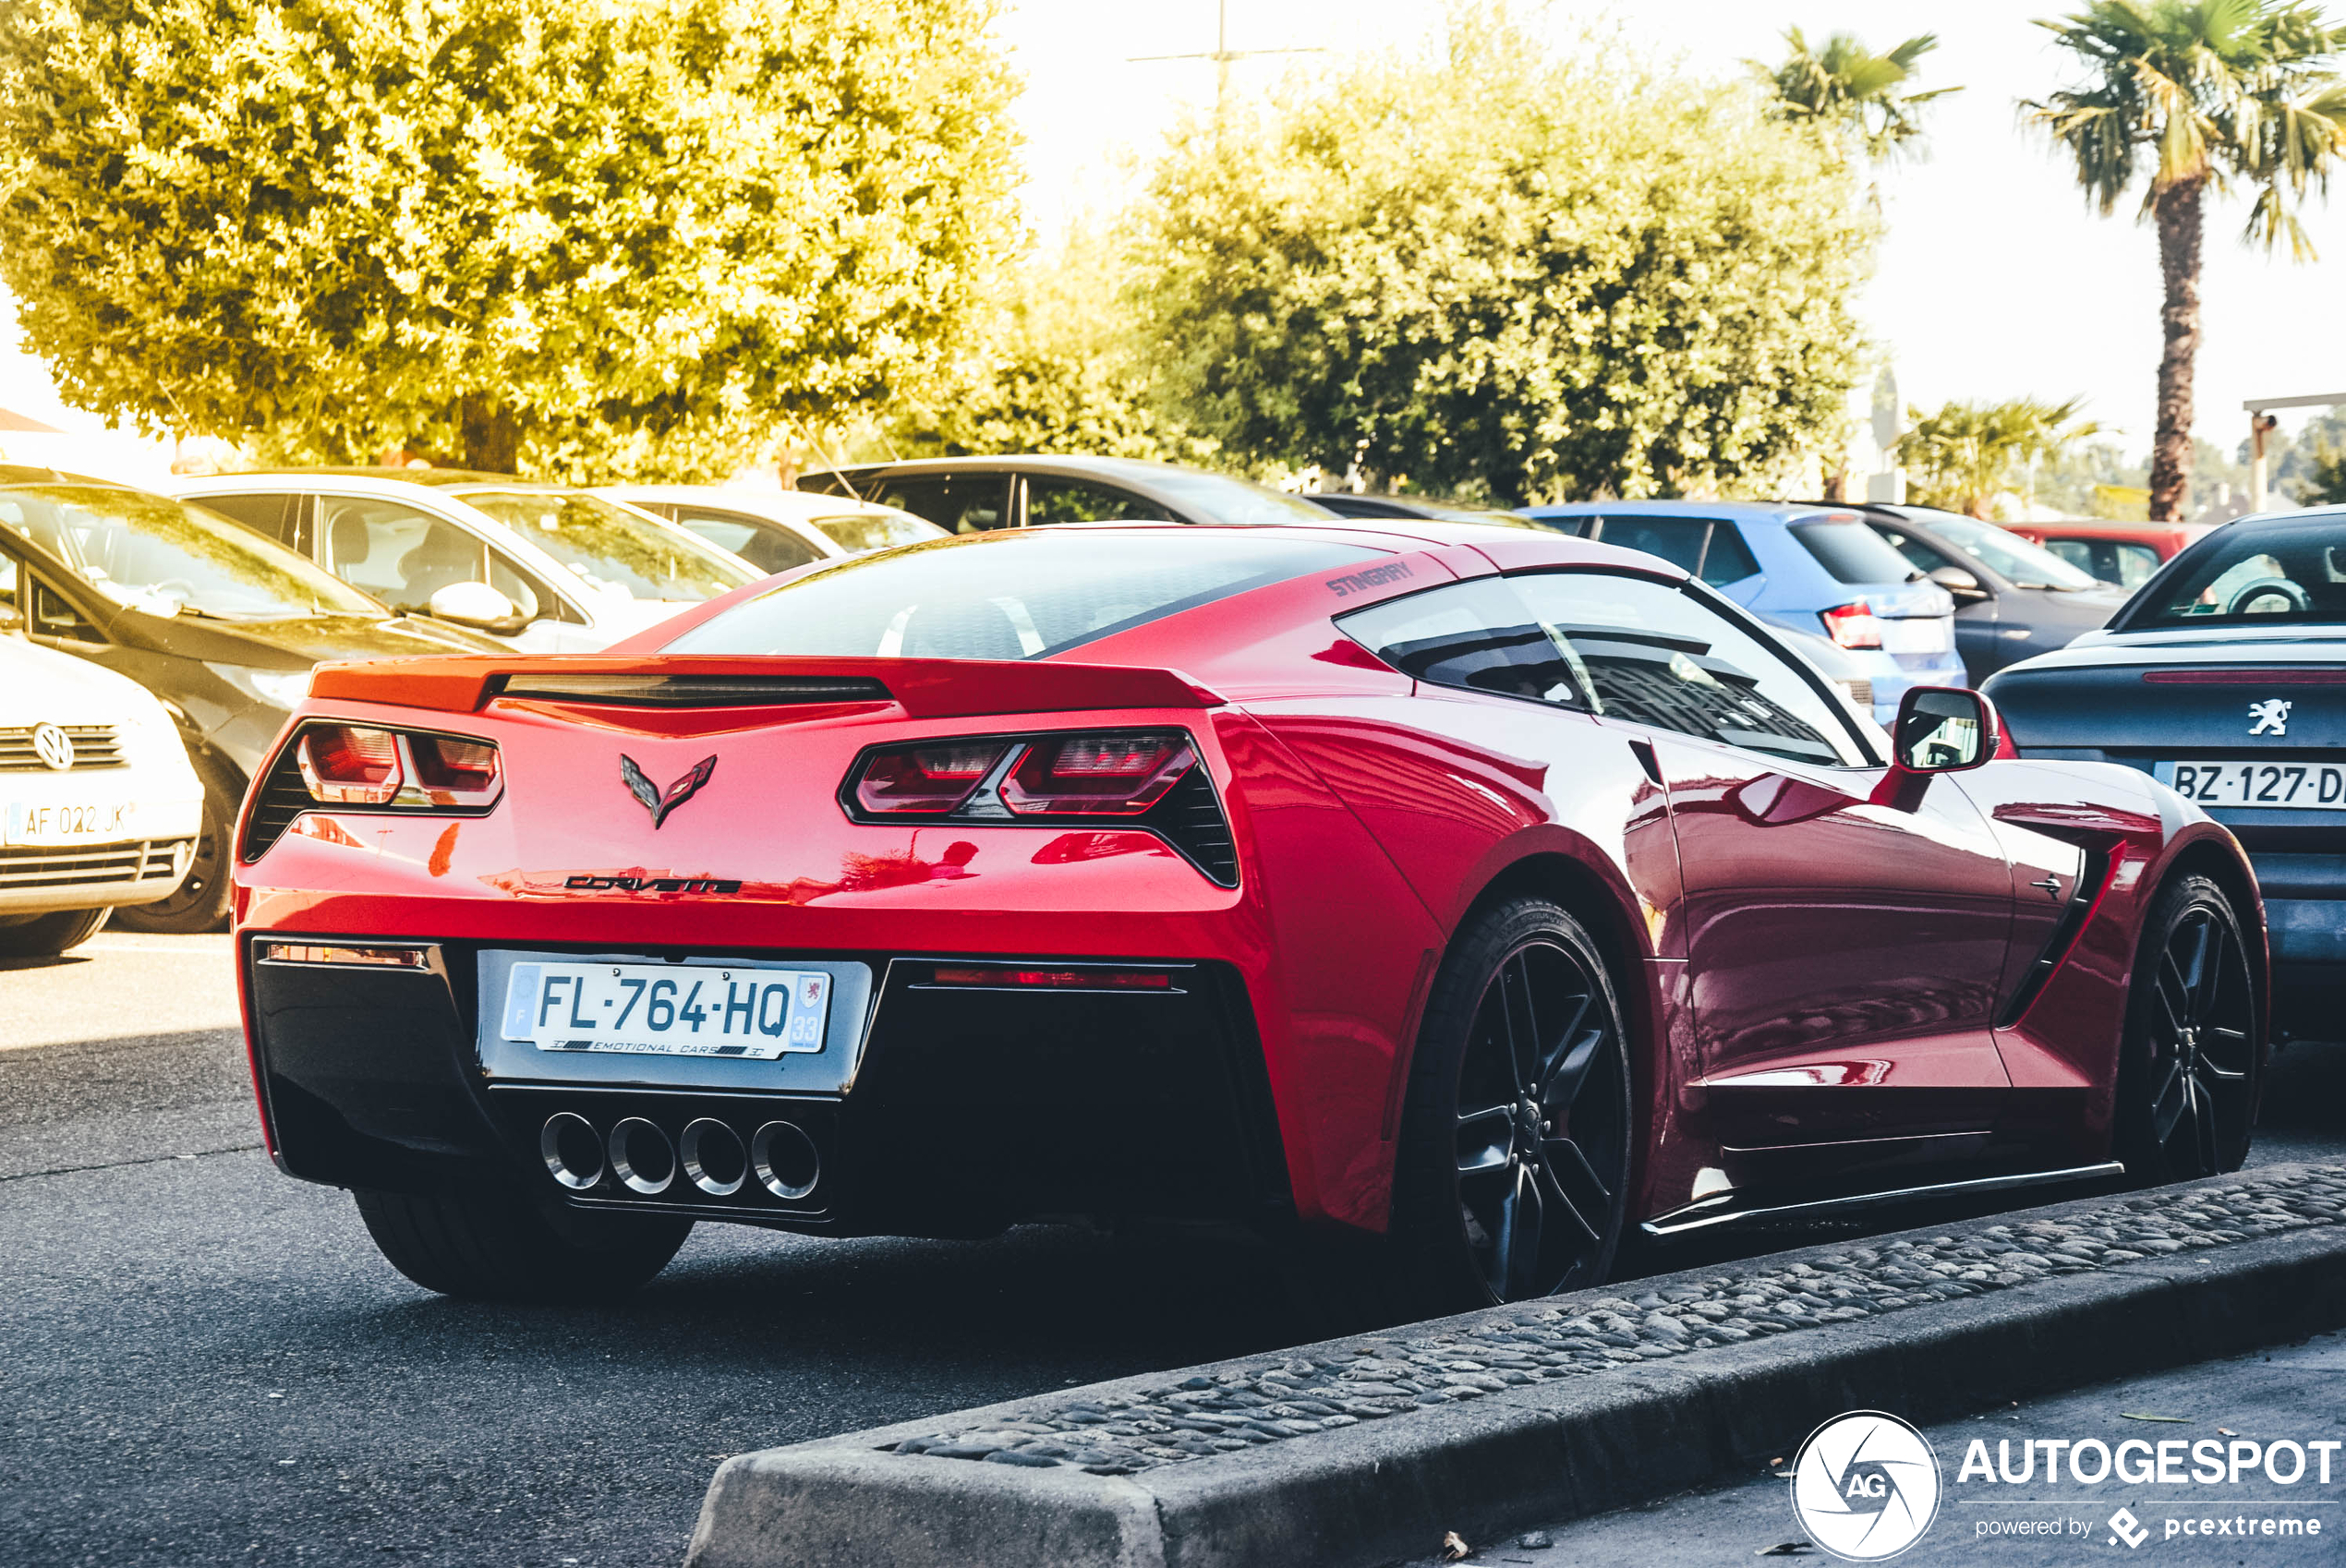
(1995, 279)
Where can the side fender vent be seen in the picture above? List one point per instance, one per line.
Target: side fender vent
(2091, 878)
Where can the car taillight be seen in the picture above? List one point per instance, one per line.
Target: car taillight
(1052, 979)
(1853, 625)
(453, 772)
(926, 778)
(1152, 781)
(354, 765)
(1097, 775)
(350, 766)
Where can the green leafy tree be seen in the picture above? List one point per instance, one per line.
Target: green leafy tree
(1059, 368)
(1845, 89)
(1966, 454)
(498, 227)
(2197, 94)
(1496, 273)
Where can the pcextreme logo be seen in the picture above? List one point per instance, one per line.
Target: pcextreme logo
(1865, 1486)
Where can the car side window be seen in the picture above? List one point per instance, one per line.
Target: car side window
(760, 543)
(960, 504)
(2134, 566)
(396, 552)
(277, 516)
(53, 615)
(1727, 559)
(1657, 654)
(1073, 501)
(1476, 635)
(1922, 557)
(2083, 554)
(1678, 540)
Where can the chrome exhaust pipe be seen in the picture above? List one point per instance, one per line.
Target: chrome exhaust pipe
(572, 1150)
(713, 1157)
(786, 1162)
(641, 1157)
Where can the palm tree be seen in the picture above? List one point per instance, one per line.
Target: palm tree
(1965, 455)
(1846, 88)
(2201, 92)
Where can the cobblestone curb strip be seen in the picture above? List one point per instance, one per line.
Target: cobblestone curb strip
(1351, 1452)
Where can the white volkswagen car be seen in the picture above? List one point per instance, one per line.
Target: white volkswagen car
(546, 569)
(98, 804)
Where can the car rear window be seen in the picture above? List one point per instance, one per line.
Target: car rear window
(1852, 552)
(1015, 594)
(2276, 574)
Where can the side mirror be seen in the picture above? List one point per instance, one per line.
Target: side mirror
(1942, 730)
(476, 604)
(1961, 584)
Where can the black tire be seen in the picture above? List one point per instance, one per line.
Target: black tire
(493, 1247)
(200, 903)
(2189, 1064)
(46, 936)
(1517, 1122)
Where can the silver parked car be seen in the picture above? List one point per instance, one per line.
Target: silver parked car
(544, 568)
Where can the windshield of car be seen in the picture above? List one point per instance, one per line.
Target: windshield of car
(878, 530)
(2006, 553)
(1852, 552)
(1011, 594)
(164, 557)
(2253, 577)
(613, 548)
(1221, 499)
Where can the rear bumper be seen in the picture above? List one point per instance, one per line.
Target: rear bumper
(962, 1110)
(2305, 919)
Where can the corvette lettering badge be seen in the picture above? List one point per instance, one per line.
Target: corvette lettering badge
(2271, 717)
(658, 802)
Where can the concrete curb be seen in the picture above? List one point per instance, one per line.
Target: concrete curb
(1375, 1490)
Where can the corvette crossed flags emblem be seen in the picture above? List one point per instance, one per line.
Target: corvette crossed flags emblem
(658, 802)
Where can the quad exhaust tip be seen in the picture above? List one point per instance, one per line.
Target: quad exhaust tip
(572, 1150)
(786, 1160)
(641, 1157)
(780, 1155)
(713, 1157)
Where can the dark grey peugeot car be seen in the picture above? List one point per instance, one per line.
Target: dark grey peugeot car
(2225, 677)
(220, 623)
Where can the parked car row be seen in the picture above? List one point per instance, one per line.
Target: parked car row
(220, 599)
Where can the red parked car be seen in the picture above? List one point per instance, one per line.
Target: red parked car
(1470, 897)
(2123, 553)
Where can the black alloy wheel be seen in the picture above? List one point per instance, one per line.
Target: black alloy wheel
(1513, 1179)
(2187, 1080)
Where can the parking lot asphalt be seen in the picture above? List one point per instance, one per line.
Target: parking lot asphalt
(206, 1361)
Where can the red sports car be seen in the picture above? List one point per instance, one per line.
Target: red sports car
(1455, 897)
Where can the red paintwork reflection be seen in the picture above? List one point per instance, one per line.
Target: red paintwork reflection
(1811, 959)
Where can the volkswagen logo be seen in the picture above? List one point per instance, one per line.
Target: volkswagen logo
(52, 747)
(1866, 1486)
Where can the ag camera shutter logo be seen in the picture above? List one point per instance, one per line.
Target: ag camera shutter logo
(1865, 1486)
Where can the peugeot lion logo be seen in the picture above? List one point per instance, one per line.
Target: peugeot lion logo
(2271, 717)
(1866, 1486)
(52, 747)
(658, 802)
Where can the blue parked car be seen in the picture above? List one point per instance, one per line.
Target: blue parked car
(1810, 568)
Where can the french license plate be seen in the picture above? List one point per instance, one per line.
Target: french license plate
(667, 1010)
(48, 823)
(1919, 635)
(2287, 785)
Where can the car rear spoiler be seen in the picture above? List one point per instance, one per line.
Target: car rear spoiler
(923, 688)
